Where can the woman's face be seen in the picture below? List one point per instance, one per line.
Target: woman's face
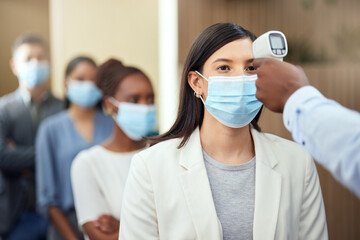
(84, 71)
(135, 88)
(233, 59)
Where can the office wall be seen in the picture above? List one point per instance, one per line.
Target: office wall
(324, 37)
(17, 17)
(331, 26)
(126, 30)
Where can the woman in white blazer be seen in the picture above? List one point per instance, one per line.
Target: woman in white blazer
(214, 175)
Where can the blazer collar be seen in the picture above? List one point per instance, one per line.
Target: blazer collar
(191, 154)
(263, 149)
(197, 192)
(198, 195)
(267, 188)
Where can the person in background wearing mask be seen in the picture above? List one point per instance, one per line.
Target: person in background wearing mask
(214, 175)
(20, 114)
(60, 138)
(99, 174)
(329, 131)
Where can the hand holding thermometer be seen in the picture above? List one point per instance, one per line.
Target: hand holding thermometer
(271, 44)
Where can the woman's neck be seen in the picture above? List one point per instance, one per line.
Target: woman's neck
(120, 142)
(80, 113)
(227, 145)
(83, 120)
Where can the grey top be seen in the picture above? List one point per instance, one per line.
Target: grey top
(233, 191)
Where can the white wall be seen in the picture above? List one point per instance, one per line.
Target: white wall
(124, 29)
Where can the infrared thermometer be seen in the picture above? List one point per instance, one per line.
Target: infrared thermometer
(271, 44)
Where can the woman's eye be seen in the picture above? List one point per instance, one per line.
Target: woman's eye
(133, 100)
(224, 68)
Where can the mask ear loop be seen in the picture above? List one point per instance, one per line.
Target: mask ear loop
(201, 75)
(197, 94)
(116, 103)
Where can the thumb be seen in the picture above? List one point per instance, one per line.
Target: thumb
(258, 62)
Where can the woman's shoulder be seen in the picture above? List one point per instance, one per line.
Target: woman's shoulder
(169, 145)
(287, 153)
(159, 161)
(94, 152)
(56, 119)
(54, 122)
(87, 157)
(279, 142)
(160, 153)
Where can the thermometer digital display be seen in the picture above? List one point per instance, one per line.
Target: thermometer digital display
(271, 44)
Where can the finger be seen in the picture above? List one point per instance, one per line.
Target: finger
(105, 218)
(259, 61)
(102, 216)
(104, 222)
(298, 67)
(105, 229)
(96, 223)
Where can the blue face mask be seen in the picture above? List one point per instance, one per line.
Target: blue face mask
(83, 93)
(231, 100)
(136, 120)
(33, 74)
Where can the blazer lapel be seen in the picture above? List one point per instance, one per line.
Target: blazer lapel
(197, 191)
(267, 190)
(23, 115)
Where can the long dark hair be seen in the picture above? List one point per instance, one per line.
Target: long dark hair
(71, 66)
(191, 110)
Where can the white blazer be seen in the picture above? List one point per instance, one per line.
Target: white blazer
(168, 195)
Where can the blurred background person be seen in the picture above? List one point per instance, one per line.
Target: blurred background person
(98, 174)
(20, 114)
(60, 138)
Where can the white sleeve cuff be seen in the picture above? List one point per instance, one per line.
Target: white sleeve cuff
(294, 103)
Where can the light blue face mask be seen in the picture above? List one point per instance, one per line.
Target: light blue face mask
(33, 74)
(231, 100)
(83, 93)
(136, 120)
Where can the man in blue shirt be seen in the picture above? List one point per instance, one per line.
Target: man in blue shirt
(20, 114)
(329, 131)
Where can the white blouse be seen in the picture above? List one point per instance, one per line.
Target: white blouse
(98, 178)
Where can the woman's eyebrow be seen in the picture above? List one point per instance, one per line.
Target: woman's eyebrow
(250, 60)
(222, 60)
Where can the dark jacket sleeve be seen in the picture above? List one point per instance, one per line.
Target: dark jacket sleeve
(13, 159)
